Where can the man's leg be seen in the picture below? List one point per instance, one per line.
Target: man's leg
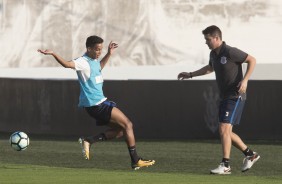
(237, 142)
(119, 118)
(225, 130)
(115, 131)
(250, 156)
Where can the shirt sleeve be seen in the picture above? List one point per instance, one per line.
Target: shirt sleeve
(237, 55)
(83, 68)
(81, 64)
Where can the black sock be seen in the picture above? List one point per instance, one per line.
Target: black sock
(248, 152)
(133, 154)
(225, 161)
(100, 137)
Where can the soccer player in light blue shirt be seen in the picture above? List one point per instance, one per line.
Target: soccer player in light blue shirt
(92, 99)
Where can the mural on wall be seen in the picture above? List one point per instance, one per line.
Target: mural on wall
(212, 100)
(149, 32)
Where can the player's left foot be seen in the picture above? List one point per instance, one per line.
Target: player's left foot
(142, 163)
(249, 161)
(85, 146)
(221, 169)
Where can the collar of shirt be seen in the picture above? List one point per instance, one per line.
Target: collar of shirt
(89, 58)
(222, 49)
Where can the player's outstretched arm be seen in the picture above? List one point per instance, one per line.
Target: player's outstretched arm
(188, 75)
(64, 63)
(112, 46)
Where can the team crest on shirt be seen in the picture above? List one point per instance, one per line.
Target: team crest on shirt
(99, 79)
(223, 60)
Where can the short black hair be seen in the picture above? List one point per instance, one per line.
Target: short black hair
(213, 31)
(93, 40)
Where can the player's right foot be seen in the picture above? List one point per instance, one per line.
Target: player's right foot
(221, 169)
(85, 147)
(142, 163)
(249, 161)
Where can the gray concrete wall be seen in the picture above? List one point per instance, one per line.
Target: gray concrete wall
(158, 109)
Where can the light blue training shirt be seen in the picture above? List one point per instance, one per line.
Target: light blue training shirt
(90, 80)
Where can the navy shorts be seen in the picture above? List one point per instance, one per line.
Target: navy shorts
(230, 110)
(102, 112)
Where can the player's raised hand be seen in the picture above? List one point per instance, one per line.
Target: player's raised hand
(45, 52)
(183, 75)
(112, 47)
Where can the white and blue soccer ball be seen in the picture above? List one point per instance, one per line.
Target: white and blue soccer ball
(19, 141)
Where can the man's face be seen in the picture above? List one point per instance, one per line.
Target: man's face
(96, 51)
(212, 41)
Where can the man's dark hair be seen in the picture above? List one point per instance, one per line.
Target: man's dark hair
(93, 40)
(213, 31)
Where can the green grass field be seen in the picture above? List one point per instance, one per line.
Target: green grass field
(57, 161)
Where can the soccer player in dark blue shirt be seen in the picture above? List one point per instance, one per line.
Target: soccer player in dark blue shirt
(226, 62)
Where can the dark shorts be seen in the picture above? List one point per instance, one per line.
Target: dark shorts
(230, 110)
(102, 113)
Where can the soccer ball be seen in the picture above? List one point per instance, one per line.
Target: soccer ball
(19, 141)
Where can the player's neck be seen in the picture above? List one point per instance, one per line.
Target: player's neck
(89, 55)
(217, 49)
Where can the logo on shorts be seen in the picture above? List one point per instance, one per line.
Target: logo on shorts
(223, 60)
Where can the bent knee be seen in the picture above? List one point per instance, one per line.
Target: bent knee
(128, 124)
(225, 129)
